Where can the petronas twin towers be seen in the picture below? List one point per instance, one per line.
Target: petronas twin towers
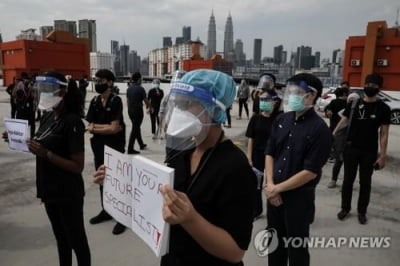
(228, 38)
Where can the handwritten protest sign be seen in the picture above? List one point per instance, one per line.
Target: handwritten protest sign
(131, 195)
(17, 130)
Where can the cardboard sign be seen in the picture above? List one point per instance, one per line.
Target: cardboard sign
(17, 130)
(131, 195)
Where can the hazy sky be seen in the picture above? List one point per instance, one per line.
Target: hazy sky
(322, 24)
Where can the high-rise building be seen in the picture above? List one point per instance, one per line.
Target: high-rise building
(45, 30)
(317, 59)
(304, 58)
(229, 53)
(284, 57)
(240, 57)
(1, 40)
(335, 55)
(167, 41)
(133, 62)
(278, 54)
(1, 60)
(179, 40)
(65, 25)
(87, 29)
(28, 34)
(124, 53)
(115, 57)
(99, 60)
(211, 37)
(186, 33)
(257, 51)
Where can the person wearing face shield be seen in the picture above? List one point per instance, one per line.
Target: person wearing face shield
(369, 129)
(59, 148)
(154, 97)
(106, 124)
(298, 147)
(266, 83)
(258, 132)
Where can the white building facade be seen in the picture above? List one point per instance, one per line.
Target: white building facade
(99, 60)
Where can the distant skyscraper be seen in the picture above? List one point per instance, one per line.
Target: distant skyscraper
(240, 57)
(133, 62)
(335, 55)
(211, 37)
(257, 51)
(186, 33)
(1, 60)
(304, 58)
(179, 40)
(115, 57)
(228, 40)
(284, 57)
(278, 54)
(64, 25)
(87, 29)
(317, 59)
(45, 30)
(167, 41)
(124, 51)
(1, 40)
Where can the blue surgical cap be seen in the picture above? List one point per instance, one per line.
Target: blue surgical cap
(222, 87)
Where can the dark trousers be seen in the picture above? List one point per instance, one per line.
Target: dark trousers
(67, 222)
(258, 158)
(364, 161)
(336, 168)
(243, 103)
(136, 117)
(291, 219)
(155, 122)
(228, 116)
(13, 108)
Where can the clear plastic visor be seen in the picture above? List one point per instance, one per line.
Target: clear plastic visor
(265, 83)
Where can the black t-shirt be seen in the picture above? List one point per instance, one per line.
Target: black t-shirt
(63, 137)
(155, 96)
(259, 129)
(335, 106)
(224, 194)
(135, 95)
(366, 121)
(99, 114)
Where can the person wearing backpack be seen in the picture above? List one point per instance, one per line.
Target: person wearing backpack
(106, 123)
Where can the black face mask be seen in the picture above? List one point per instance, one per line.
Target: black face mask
(370, 91)
(100, 88)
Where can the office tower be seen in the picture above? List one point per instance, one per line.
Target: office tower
(167, 41)
(178, 40)
(317, 59)
(65, 25)
(304, 58)
(228, 40)
(115, 57)
(124, 53)
(284, 57)
(1, 40)
(257, 51)
(211, 37)
(133, 62)
(186, 33)
(278, 54)
(1, 60)
(335, 55)
(45, 30)
(240, 57)
(87, 29)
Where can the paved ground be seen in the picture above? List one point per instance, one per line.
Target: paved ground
(26, 237)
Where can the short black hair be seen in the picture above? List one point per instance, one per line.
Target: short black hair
(105, 74)
(136, 76)
(374, 78)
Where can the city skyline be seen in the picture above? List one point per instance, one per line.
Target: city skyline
(321, 25)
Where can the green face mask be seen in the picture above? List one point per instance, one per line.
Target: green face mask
(265, 106)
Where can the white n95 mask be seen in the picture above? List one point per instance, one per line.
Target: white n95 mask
(48, 101)
(183, 124)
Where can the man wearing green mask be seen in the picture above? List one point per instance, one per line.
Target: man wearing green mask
(298, 148)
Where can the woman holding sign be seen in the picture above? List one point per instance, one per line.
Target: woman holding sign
(59, 149)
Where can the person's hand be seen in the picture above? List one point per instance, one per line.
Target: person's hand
(99, 175)
(90, 128)
(37, 149)
(276, 201)
(177, 207)
(271, 190)
(4, 136)
(381, 161)
(329, 113)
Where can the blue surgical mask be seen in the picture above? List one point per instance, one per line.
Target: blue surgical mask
(295, 103)
(265, 106)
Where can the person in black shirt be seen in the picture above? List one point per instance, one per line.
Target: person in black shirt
(335, 106)
(155, 97)
(10, 89)
(106, 123)
(297, 149)
(371, 117)
(135, 96)
(258, 132)
(59, 149)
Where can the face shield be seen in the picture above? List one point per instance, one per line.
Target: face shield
(267, 102)
(266, 83)
(177, 77)
(294, 96)
(188, 116)
(48, 90)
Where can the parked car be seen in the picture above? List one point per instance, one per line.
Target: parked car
(392, 102)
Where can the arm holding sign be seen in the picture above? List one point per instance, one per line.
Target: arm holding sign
(179, 210)
(99, 175)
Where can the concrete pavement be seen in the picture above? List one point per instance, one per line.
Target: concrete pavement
(26, 237)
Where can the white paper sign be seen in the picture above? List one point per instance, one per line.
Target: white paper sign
(17, 130)
(131, 195)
